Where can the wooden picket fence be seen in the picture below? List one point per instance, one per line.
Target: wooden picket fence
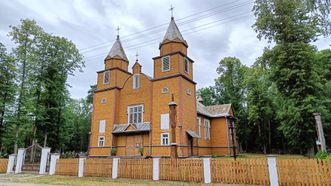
(181, 169)
(241, 171)
(223, 170)
(98, 167)
(304, 172)
(135, 168)
(3, 165)
(68, 167)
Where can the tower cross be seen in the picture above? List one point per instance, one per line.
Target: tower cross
(118, 31)
(172, 11)
(137, 56)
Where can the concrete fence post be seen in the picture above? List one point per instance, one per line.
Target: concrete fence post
(11, 163)
(81, 167)
(115, 168)
(52, 166)
(44, 159)
(272, 166)
(206, 170)
(156, 170)
(19, 160)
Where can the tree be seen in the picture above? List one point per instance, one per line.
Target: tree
(207, 95)
(292, 25)
(7, 89)
(259, 103)
(230, 88)
(25, 37)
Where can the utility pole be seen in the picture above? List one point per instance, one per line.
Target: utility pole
(231, 127)
(320, 132)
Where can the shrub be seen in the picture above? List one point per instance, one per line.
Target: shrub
(323, 155)
(141, 151)
(113, 151)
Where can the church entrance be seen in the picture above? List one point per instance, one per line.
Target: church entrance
(133, 144)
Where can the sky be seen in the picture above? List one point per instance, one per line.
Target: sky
(213, 29)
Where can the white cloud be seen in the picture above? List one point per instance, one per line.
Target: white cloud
(88, 23)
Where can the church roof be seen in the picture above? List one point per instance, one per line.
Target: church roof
(173, 32)
(131, 128)
(117, 50)
(214, 110)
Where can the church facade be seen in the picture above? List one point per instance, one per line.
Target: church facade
(131, 109)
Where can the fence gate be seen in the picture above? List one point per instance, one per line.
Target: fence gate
(32, 158)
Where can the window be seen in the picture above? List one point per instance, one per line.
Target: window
(198, 126)
(101, 141)
(165, 63)
(136, 81)
(207, 129)
(106, 75)
(186, 65)
(135, 114)
(164, 138)
(104, 100)
(102, 126)
(164, 121)
(165, 90)
(188, 91)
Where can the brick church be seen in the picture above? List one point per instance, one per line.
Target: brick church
(131, 109)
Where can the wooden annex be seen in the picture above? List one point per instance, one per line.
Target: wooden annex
(131, 109)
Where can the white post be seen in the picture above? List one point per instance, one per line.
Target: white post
(156, 171)
(52, 166)
(206, 170)
(20, 159)
(11, 163)
(272, 166)
(81, 167)
(115, 168)
(43, 160)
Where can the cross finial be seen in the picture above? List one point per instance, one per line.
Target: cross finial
(172, 11)
(137, 56)
(118, 32)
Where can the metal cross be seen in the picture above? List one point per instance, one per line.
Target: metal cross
(172, 10)
(118, 31)
(137, 56)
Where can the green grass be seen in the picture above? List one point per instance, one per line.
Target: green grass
(92, 181)
(253, 155)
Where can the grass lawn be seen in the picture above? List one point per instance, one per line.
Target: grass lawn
(89, 181)
(281, 156)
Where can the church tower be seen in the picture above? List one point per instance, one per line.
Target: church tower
(106, 98)
(173, 74)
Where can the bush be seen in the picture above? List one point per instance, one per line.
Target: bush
(323, 155)
(113, 151)
(217, 156)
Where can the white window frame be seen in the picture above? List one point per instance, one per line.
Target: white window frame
(165, 70)
(142, 113)
(199, 126)
(104, 75)
(102, 130)
(207, 129)
(165, 118)
(186, 62)
(136, 81)
(168, 138)
(103, 141)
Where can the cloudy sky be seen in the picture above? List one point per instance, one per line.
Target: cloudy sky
(213, 29)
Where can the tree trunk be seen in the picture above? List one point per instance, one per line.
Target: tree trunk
(45, 140)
